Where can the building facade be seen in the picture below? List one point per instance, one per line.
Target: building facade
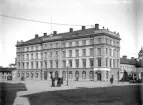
(86, 54)
(128, 65)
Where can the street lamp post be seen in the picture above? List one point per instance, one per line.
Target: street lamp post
(67, 75)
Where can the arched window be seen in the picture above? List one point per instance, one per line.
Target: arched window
(64, 74)
(18, 74)
(36, 74)
(70, 74)
(76, 74)
(83, 75)
(27, 74)
(56, 74)
(23, 73)
(91, 75)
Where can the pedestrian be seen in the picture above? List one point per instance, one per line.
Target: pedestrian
(111, 79)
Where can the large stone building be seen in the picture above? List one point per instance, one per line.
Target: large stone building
(87, 54)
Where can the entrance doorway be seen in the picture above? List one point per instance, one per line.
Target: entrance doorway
(99, 75)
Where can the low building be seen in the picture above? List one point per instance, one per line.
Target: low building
(6, 73)
(127, 65)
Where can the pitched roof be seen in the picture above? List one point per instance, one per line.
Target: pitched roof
(7, 69)
(74, 34)
(128, 61)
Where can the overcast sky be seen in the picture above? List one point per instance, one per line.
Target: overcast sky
(123, 16)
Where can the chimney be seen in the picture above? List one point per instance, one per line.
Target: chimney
(83, 27)
(97, 26)
(132, 58)
(71, 29)
(36, 35)
(45, 34)
(125, 57)
(54, 33)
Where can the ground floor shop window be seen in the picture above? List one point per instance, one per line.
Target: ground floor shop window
(76, 74)
(91, 74)
(56, 74)
(27, 74)
(18, 74)
(36, 74)
(70, 74)
(107, 75)
(32, 75)
(83, 75)
(64, 74)
(45, 75)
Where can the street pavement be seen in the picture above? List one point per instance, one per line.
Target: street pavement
(41, 86)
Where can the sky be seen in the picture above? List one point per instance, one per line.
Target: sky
(123, 16)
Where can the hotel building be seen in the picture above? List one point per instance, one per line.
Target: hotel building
(86, 54)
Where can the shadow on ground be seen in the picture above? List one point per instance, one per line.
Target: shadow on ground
(9, 91)
(115, 95)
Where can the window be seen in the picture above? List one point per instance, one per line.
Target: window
(91, 74)
(37, 64)
(117, 43)
(77, 63)
(77, 43)
(91, 51)
(23, 56)
(117, 62)
(84, 42)
(83, 75)
(64, 54)
(91, 62)
(31, 65)
(106, 41)
(36, 74)
(64, 74)
(106, 51)
(91, 41)
(18, 57)
(18, 65)
(57, 45)
(106, 62)
(83, 62)
(99, 40)
(27, 75)
(50, 45)
(23, 64)
(70, 44)
(45, 64)
(50, 54)
(113, 62)
(31, 56)
(31, 48)
(99, 62)
(64, 44)
(77, 53)
(64, 63)
(18, 74)
(36, 47)
(36, 55)
(41, 55)
(51, 64)
(56, 53)
(110, 42)
(110, 62)
(70, 63)
(45, 46)
(27, 65)
(41, 64)
(113, 52)
(70, 53)
(110, 52)
(99, 51)
(57, 63)
(27, 56)
(70, 74)
(83, 52)
(45, 53)
(76, 74)
(107, 75)
(27, 48)
(32, 75)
